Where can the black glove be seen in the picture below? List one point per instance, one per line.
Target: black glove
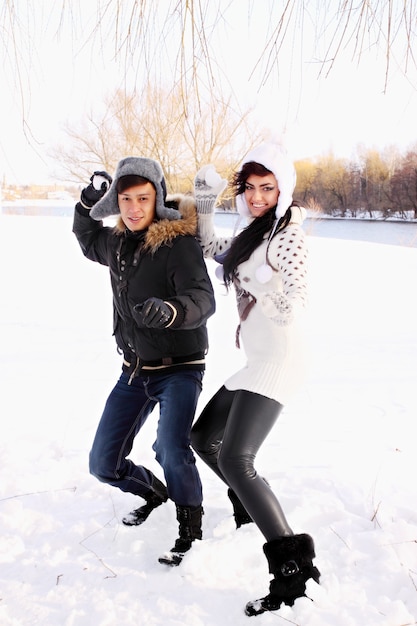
(154, 313)
(90, 195)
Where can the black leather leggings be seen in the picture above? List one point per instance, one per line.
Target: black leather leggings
(227, 436)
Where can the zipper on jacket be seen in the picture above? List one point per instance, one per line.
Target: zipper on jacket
(133, 374)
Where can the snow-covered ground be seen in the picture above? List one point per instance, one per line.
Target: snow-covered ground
(342, 457)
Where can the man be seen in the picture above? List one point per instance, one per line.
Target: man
(162, 298)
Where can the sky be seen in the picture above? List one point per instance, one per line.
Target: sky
(341, 457)
(58, 66)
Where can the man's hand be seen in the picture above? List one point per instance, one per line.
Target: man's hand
(155, 313)
(100, 182)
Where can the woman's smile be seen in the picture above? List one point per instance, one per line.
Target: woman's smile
(261, 194)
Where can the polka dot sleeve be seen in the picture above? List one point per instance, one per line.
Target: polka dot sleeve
(287, 255)
(210, 243)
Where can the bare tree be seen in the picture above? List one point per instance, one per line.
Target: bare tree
(345, 24)
(374, 180)
(182, 44)
(186, 33)
(332, 184)
(377, 184)
(155, 124)
(305, 189)
(403, 191)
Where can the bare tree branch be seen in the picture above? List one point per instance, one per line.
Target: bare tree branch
(180, 43)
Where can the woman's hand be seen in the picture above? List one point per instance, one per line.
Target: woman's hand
(208, 185)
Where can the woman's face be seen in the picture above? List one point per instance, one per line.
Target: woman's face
(261, 193)
(138, 206)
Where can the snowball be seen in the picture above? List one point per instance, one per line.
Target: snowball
(212, 177)
(98, 181)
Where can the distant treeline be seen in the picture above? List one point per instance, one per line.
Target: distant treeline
(383, 185)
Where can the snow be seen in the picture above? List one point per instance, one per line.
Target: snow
(341, 458)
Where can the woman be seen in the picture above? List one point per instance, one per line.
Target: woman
(162, 298)
(266, 263)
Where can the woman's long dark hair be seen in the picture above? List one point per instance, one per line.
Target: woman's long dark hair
(253, 235)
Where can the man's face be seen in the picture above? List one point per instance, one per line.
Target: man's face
(138, 206)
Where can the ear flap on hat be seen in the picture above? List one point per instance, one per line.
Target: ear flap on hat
(241, 206)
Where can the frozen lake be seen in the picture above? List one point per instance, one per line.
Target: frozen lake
(392, 233)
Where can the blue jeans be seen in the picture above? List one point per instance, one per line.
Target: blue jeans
(127, 409)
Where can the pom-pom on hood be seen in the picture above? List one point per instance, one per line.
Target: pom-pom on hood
(275, 158)
(139, 166)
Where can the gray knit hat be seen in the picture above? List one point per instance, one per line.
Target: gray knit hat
(139, 166)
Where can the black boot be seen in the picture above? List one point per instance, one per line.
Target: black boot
(189, 519)
(239, 512)
(290, 560)
(154, 498)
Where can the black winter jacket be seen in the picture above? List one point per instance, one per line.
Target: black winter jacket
(164, 261)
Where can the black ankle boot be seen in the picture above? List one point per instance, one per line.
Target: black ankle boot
(290, 561)
(154, 498)
(190, 520)
(239, 512)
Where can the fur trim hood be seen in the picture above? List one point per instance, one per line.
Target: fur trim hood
(162, 232)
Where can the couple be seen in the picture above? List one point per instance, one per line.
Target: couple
(162, 298)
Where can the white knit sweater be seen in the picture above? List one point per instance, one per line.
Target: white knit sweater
(272, 333)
